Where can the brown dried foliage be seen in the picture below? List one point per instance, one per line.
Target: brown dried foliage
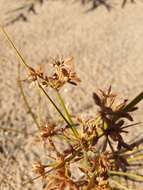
(97, 165)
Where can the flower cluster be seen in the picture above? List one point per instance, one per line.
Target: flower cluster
(95, 146)
(63, 73)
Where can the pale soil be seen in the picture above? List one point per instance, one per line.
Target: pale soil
(107, 47)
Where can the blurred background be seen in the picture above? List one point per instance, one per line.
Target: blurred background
(106, 40)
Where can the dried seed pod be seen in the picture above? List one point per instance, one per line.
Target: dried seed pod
(38, 168)
(47, 130)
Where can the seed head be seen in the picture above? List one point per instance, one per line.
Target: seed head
(38, 168)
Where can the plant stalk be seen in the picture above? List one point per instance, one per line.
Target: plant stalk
(59, 111)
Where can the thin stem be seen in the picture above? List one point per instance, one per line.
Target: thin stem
(110, 144)
(64, 107)
(25, 100)
(119, 184)
(14, 47)
(135, 158)
(126, 174)
(132, 152)
(134, 102)
(57, 166)
(127, 126)
(59, 111)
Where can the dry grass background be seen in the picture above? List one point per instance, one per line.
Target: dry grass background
(107, 47)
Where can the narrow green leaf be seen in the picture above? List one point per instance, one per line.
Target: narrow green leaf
(126, 174)
(25, 100)
(119, 184)
(19, 55)
(134, 102)
(59, 111)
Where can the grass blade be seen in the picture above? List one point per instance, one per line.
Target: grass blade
(14, 47)
(26, 101)
(59, 111)
(134, 102)
(119, 184)
(126, 174)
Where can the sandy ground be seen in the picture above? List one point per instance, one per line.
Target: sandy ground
(107, 47)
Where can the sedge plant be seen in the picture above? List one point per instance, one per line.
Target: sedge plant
(96, 148)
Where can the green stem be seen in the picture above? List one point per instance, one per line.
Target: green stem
(119, 184)
(26, 101)
(14, 47)
(64, 107)
(132, 152)
(135, 158)
(134, 102)
(129, 175)
(58, 110)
